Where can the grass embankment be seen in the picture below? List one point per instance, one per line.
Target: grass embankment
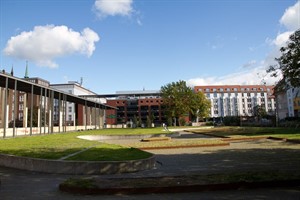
(57, 146)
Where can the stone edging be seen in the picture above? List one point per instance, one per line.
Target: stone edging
(119, 137)
(76, 167)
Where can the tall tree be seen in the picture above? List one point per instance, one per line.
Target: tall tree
(289, 61)
(179, 99)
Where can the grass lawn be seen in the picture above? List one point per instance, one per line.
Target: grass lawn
(176, 143)
(289, 133)
(56, 146)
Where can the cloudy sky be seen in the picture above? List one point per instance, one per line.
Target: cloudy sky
(134, 44)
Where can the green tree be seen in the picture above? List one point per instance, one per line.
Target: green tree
(289, 62)
(179, 99)
(259, 112)
(200, 105)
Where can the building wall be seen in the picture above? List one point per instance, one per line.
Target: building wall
(135, 107)
(238, 100)
(72, 117)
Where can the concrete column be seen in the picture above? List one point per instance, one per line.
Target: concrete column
(95, 116)
(64, 108)
(52, 110)
(45, 109)
(59, 110)
(40, 111)
(25, 111)
(15, 108)
(74, 115)
(5, 119)
(31, 110)
(49, 112)
(85, 115)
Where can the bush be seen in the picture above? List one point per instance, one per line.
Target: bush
(231, 121)
(182, 122)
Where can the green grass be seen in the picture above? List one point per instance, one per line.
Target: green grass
(176, 143)
(108, 152)
(289, 133)
(56, 146)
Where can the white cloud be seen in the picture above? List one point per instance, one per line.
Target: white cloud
(291, 17)
(45, 43)
(250, 64)
(252, 74)
(255, 76)
(105, 8)
(282, 38)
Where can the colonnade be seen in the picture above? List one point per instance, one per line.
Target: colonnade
(50, 107)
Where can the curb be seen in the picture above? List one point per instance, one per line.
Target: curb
(76, 167)
(179, 189)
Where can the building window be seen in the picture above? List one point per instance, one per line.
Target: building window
(70, 117)
(70, 108)
(20, 116)
(21, 98)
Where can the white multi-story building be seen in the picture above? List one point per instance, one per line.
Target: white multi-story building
(238, 100)
(293, 102)
(75, 88)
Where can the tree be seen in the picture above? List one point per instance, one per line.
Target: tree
(200, 105)
(260, 112)
(289, 61)
(179, 99)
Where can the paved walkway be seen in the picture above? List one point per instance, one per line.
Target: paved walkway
(239, 156)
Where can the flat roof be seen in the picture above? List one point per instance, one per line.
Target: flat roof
(27, 86)
(126, 94)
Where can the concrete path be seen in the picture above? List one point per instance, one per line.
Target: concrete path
(239, 156)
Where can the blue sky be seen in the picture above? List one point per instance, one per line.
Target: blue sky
(134, 44)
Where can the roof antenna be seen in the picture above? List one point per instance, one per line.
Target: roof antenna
(81, 81)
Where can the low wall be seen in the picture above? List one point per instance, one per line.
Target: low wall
(76, 167)
(36, 130)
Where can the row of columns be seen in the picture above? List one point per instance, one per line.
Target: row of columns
(91, 115)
